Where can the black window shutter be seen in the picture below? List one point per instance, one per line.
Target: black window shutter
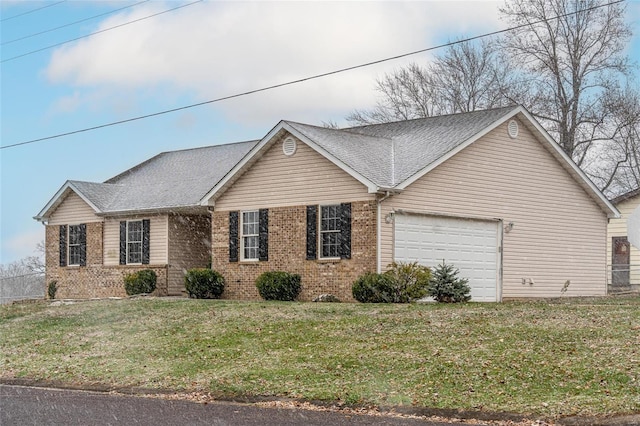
(63, 245)
(83, 245)
(312, 232)
(123, 242)
(146, 235)
(345, 230)
(263, 236)
(233, 236)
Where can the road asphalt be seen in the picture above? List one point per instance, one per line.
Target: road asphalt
(21, 405)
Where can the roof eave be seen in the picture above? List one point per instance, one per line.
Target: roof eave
(265, 143)
(57, 199)
(578, 174)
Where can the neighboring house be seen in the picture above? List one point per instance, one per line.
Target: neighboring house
(623, 257)
(147, 217)
(488, 191)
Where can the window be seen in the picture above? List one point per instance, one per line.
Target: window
(250, 235)
(73, 245)
(134, 242)
(330, 231)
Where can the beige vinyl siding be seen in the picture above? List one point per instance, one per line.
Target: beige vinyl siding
(158, 239)
(73, 209)
(277, 180)
(618, 228)
(559, 232)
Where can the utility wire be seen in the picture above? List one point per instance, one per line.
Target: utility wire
(98, 32)
(71, 23)
(31, 11)
(313, 77)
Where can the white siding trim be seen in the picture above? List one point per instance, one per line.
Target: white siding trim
(261, 148)
(59, 197)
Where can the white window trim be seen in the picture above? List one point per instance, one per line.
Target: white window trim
(242, 236)
(320, 256)
(141, 241)
(69, 245)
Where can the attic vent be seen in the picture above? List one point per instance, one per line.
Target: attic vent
(513, 129)
(289, 146)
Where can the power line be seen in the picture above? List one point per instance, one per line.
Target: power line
(98, 32)
(31, 11)
(301, 80)
(71, 23)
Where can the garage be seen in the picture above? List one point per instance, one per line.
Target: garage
(470, 245)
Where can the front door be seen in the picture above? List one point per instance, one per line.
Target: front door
(620, 262)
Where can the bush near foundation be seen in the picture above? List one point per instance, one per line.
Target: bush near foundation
(402, 283)
(279, 285)
(373, 288)
(204, 283)
(141, 282)
(447, 287)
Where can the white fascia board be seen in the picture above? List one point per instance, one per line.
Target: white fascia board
(372, 188)
(457, 149)
(587, 184)
(604, 203)
(58, 198)
(218, 189)
(265, 142)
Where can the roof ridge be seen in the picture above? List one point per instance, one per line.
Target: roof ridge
(433, 117)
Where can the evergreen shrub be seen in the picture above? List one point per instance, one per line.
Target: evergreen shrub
(204, 283)
(140, 282)
(279, 285)
(447, 287)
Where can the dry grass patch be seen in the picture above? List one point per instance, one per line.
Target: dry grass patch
(544, 358)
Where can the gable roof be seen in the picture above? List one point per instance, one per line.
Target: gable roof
(391, 156)
(383, 157)
(625, 196)
(170, 180)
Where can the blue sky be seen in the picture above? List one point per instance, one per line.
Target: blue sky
(199, 52)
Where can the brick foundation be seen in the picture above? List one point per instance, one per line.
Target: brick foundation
(287, 252)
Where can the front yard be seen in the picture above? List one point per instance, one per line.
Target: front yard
(564, 357)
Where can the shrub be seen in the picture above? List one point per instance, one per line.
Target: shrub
(52, 289)
(410, 281)
(447, 287)
(204, 283)
(140, 282)
(373, 288)
(279, 285)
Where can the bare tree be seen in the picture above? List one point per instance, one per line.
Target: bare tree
(465, 78)
(571, 54)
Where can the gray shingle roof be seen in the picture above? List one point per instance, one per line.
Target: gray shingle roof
(175, 179)
(389, 153)
(384, 154)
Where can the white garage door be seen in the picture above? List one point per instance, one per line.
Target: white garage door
(470, 245)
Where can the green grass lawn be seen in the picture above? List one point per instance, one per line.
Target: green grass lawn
(567, 357)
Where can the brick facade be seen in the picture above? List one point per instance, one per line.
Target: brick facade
(190, 247)
(287, 252)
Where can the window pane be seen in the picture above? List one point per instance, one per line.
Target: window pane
(134, 241)
(74, 245)
(251, 247)
(330, 231)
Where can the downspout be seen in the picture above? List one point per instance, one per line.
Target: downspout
(379, 231)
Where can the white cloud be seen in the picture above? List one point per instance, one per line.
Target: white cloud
(22, 245)
(216, 49)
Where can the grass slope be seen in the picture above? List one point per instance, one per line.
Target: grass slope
(562, 358)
